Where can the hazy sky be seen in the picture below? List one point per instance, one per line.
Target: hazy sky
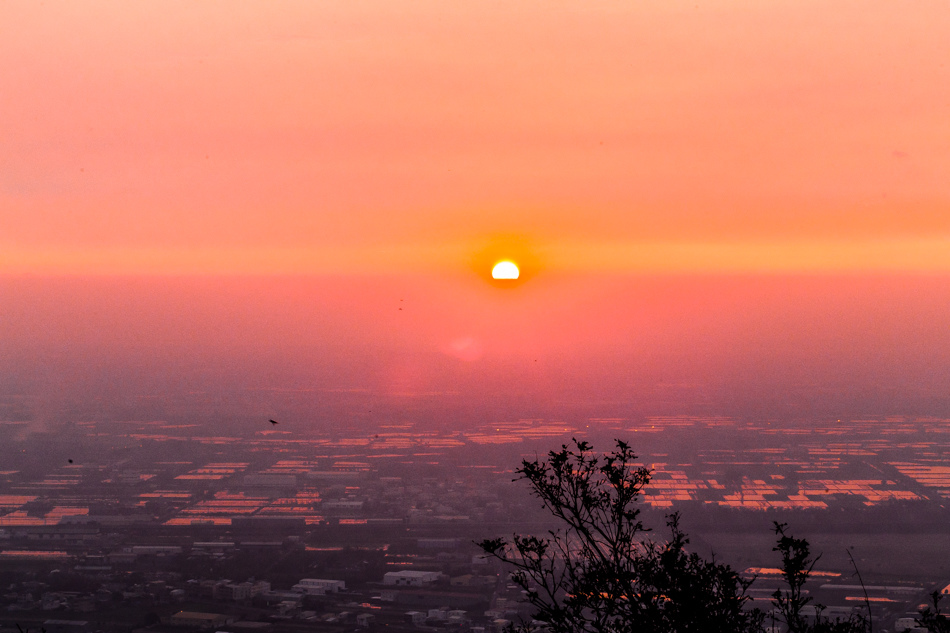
(381, 136)
(717, 198)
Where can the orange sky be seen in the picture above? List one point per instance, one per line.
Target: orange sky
(352, 136)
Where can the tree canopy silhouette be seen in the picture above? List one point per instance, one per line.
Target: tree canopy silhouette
(601, 571)
(795, 607)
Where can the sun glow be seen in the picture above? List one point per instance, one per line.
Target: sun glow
(504, 270)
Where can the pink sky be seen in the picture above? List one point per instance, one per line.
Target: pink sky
(335, 137)
(148, 150)
(778, 347)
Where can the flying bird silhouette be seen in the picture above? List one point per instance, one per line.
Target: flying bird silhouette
(273, 421)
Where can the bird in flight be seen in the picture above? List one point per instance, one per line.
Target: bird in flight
(273, 421)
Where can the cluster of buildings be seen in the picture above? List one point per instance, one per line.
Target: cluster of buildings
(152, 526)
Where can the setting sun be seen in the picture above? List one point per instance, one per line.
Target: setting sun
(504, 270)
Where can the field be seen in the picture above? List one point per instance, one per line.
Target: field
(881, 558)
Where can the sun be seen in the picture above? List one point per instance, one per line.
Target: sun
(505, 270)
(505, 261)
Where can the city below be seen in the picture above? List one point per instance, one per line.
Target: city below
(170, 526)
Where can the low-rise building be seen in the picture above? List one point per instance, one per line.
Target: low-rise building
(199, 620)
(418, 618)
(365, 620)
(410, 578)
(65, 626)
(319, 586)
(156, 550)
(907, 625)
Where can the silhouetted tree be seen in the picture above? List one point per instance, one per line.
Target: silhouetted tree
(792, 603)
(600, 572)
(933, 619)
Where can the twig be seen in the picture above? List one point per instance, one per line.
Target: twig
(867, 600)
